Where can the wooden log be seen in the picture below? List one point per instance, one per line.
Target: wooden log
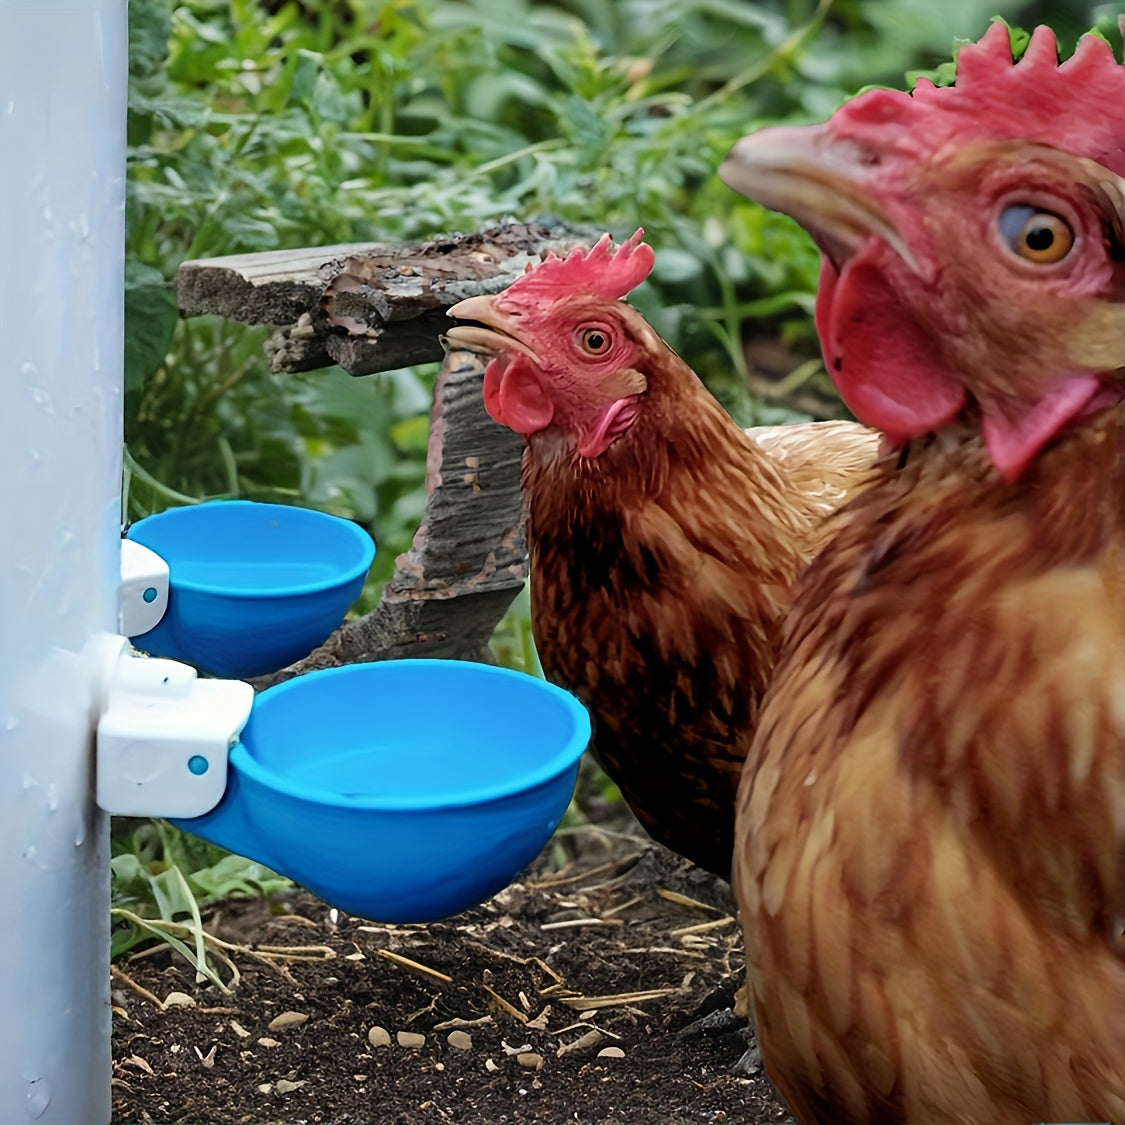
(468, 559)
(367, 306)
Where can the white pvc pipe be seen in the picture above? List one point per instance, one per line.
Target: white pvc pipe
(63, 73)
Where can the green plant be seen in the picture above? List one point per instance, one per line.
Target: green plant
(163, 878)
(254, 127)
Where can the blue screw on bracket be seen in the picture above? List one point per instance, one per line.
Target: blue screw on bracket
(198, 764)
(150, 594)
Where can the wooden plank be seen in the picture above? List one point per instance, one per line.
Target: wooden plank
(367, 306)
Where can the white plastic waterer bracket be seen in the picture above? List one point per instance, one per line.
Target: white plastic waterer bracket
(143, 593)
(164, 734)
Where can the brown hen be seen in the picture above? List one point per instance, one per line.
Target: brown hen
(930, 861)
(664, 541)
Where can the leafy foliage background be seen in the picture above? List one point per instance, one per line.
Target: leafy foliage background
(261, 124)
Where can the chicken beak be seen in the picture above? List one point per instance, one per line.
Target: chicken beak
(496, 332)
(818, 180)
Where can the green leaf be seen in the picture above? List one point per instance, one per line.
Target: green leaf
(674, 265)
(587, 127)
(150, 27)
(234, 875)
(412, 435)
(150, 320)
(306, 67)
(330, 102)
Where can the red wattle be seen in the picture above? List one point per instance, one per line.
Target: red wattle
(493, 377)
(1013, 441)
(882, 364)
(520, 403)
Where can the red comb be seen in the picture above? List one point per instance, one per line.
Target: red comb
(601, 271)
(1078, 106)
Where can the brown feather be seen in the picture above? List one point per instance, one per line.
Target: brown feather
(930, 860)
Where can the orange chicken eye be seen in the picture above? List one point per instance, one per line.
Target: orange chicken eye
(1036, 236)
(594, 340)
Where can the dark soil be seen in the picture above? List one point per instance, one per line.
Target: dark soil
(618, 949)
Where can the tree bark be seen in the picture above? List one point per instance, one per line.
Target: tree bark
(367, 306)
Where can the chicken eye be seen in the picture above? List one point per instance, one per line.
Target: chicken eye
(594, 340)
(1036, 236)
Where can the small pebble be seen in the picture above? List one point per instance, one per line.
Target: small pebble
(490, 1065)
(179, 1000)
(410, 1039)
(265, 1088)
(379, 1037)
(239, 1030)
(611, 1053)
(529, 1060)
(287, 1020)
(284, 1086)
(462, 1040)
(268, 1043)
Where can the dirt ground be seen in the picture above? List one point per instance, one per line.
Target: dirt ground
(560, 1000)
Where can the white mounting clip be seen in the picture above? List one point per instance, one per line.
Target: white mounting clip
(164, 736)
(143, 593)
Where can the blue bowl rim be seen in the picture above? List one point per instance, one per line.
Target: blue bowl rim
(339, 579)
(555, 764)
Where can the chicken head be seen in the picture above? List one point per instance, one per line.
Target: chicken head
(568, 353)
(956, 223)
